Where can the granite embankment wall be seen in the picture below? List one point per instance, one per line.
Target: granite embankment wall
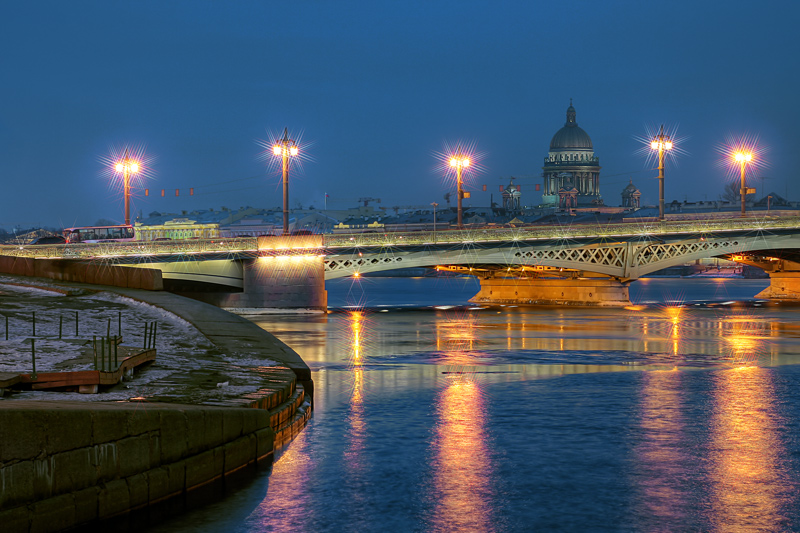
(66, 464)
(69, 464)
(83, 272)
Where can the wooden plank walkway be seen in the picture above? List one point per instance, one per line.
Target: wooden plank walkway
(8, 379)
(87, 381)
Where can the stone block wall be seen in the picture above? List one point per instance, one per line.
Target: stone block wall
(782, 286)
(544, 291)
(83, 272)
(289, 282)
(64, 464)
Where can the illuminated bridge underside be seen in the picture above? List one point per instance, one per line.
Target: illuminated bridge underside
(622, 260)
(219, 272)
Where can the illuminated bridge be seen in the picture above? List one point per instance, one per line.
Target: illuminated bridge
(576, 264)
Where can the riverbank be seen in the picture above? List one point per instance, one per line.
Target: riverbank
(78, 459)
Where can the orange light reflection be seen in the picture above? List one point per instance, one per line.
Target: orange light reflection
(356, 436)
(287, 501)
(749, 488)
(661, 454)
(462, 470)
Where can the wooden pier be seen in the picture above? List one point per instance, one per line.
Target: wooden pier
(85, 381)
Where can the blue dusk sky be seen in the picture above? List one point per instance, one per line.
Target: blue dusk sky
(374, 91)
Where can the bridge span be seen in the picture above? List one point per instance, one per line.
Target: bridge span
(570, 264)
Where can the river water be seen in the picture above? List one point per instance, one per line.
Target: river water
(679, 413)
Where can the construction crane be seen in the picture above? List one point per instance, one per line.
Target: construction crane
(367, 200)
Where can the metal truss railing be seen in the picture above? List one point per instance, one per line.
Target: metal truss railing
(582, 231)
(630, 258)
(612, 256)
(658, 253)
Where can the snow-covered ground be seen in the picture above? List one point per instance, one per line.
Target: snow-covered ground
(181, 349)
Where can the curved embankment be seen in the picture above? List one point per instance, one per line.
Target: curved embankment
(63, 464)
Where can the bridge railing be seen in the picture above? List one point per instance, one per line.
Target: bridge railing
(624, 230)
(133, 248)
(642, 229)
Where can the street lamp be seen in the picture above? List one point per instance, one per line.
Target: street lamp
(128, 167)
(459, 161)
(662, 143)
(284, 148)
(435, 205)
(743, 158)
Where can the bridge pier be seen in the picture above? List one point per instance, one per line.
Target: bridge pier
(553, 291)
(782, 286)
(288, 274)
(784, 276)
(291, 282)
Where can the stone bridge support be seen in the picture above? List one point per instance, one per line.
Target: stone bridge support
(784, 278)
(592, 291)
(290, 274)
(274, 283)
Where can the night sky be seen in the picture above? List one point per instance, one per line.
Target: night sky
(374, 90)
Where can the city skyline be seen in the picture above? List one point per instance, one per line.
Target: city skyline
(372, 92)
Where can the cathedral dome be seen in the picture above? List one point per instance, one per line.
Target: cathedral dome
(571, 136)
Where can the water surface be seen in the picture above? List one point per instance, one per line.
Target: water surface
(676, 414)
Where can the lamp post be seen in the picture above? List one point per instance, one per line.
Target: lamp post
(284, 148)
(662, 143)
(743, 158)
(128, 167)
(435, 205)
(459, 161)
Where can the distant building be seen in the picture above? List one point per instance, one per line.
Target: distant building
(256, 225)
(315, 221)
(631, 196)
(772, 200)
(571, 164)
(201, 224)
(177, 229)
(567, 197)
(512, 198)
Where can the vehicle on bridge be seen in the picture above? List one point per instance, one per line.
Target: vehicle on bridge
(49, 239)
(91, 234)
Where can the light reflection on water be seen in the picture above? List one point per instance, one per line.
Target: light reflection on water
(289, 497)
(748, 474)
(662, 455)
(462, 487)
(355, 462)
(655, 418)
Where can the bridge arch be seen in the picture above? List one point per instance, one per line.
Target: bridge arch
(626, 260)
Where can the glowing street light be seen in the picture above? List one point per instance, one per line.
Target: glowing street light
(459, 161)
(127, 167)
(284, 148)
(662, 143)
(743, 158)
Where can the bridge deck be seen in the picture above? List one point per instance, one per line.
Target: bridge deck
(259, 246)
